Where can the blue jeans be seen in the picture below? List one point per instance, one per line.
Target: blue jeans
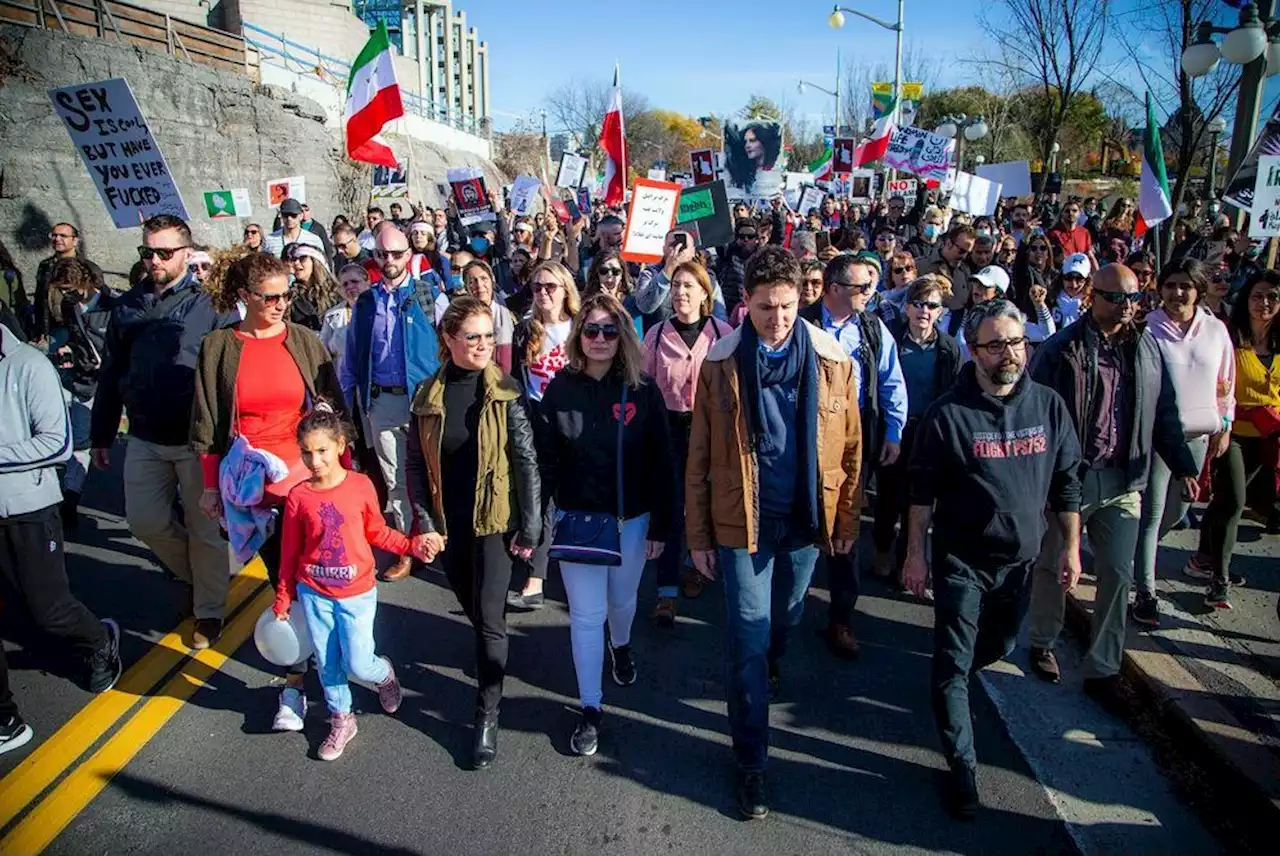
(764, 598)
(342, 633)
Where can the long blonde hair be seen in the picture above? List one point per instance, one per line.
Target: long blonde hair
(629, 359)
(537, 330)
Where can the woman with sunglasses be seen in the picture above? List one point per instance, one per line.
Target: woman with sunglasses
(810, 283)
(1255, 334)
(674, 351)
(539, 350)
(578, 423)
(902, 272)
(1067, 294)
(1031, 283)
(1119, 222)
(1201, 363)
(353, 280)
(1215, 297)
(314, 288)
(477, 278)
(608, 274)
(254, 382)
(1143, 265)
(472, 473)
(1006, 253)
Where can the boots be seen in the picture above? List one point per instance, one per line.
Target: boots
(485, 749)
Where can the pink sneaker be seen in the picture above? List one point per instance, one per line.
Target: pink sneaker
(389, 692)
(342, 727)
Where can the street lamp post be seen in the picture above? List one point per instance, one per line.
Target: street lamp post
(1216, 127)
(1053, 156)
(962, 128)
(836, 20)
(800, 87)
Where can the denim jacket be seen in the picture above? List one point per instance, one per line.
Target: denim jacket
(415, 302)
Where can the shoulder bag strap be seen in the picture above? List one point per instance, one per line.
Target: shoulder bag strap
(622, 424)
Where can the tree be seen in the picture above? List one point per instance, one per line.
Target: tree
(918, 66)
(666, 135)
(519, 150)
(1054, 45)
(579, 107)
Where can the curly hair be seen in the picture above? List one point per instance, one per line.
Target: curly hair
(771, 265)
(225, 295)
(68, 275)
(460, 309)
(249, 270)
(537, 328)
(629, 360)
(593, 274)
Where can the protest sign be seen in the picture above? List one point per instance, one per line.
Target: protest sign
(523, 193)
(842, 154)
(860, 185)
(561, 210)
(974, 195)
(573, 167)
(810, 200)
(705, 210)
(657, 174)
(227, 203)
(920, 152)
(584, 199)
(1264, 219)
(1239, 190)
(650, 217)
(118, 150)
(469, 194)
(904, 187)
(703, 166)
(1014, 177)
(390, 183)
(280, 189)
(753, 158)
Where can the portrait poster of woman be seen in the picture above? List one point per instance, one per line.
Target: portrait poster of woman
(753, 158)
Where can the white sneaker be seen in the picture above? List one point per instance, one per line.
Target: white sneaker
(292, 712)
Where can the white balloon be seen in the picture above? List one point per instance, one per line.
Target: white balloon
(283, 643)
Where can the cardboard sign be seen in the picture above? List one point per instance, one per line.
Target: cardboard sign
(974, 195)
(227, 203)
(1238, 191)
(842, 154)
(919, 152)
(1264, 220)
(118, 150)
(810, 200)
(573, 167)
(652, 214)
(705, 211)
(280, 189)
(703, 166)
(1014, 177)
(469, 195)
(523, 193)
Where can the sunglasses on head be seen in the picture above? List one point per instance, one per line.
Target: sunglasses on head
(272, 299)
(926, 304)
(1118, 297)
(608, 332)
(165, 253)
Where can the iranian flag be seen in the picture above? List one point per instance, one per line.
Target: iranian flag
(821, 168)
(874, 147)
(613, 140)
(1153, 187)
(373, 100)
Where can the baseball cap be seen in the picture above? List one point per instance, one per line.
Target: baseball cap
(871, 259)
(993, 276)
(291, 206)
(1077, 263)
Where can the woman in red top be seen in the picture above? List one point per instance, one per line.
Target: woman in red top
(256, 381)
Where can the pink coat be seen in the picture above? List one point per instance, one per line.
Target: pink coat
(674, 366)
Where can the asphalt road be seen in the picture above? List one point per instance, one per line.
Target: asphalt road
(854, 766)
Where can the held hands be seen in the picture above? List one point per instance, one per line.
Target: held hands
(211, 503)
(427, 546)
(518, 550)
(1069, 568)
(705, 562)
(914, 574)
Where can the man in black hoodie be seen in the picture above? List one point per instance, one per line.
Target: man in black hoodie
(991, 453)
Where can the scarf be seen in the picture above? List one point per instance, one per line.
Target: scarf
(798, 363)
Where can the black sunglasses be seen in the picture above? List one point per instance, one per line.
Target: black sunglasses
(273, 299)
(1118, 296)
(903, 269)
(145, 253)
(608, 332)
(926, 304)
(748, 236)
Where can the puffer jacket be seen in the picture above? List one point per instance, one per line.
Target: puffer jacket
(85, 335)
(508, 489)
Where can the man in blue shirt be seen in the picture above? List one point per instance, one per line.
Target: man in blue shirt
(850, 282)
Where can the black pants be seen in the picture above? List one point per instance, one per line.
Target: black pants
(270, 553)
(1243, 465)
(892, 501)
(977, 614)
(33, 573)
(844, 577)
(479, 572)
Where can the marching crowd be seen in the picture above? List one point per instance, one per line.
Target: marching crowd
(513, 397)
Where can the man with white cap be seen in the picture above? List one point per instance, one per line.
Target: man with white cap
(290, 231)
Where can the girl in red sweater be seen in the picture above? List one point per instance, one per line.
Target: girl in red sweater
(330, 522)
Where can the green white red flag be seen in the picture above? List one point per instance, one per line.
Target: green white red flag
(1153, 188)
(373, 100)
(874, 147)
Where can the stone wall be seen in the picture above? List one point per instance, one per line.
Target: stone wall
(216, 130)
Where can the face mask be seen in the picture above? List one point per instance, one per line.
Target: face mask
(480, 245)
(930, 231)
(984, 233)
(1253, 252)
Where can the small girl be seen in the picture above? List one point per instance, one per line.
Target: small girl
(330, 523)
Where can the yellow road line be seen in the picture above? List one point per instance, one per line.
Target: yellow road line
(44, 822)
(43, 767)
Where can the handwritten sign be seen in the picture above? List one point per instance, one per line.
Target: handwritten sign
(523, 193)
(573, 167)
(652, 214)
(920, 152)
(1264, 220)
(118, 150)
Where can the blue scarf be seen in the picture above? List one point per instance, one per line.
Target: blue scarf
(756, 370)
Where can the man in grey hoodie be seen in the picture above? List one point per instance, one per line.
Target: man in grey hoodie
(35, 436)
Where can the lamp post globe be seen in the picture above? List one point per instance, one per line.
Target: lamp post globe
(1244, 44)
(1200, 58)
(836, 19)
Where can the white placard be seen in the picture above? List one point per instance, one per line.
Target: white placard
(573, 167)
(523, 193)
(810, 200)
(651, 216)
(1014, 177)
(280, 189)
(1264, 219)
(657, 175)
(919, 152)
(974, 195)
(902, 187)
(118, 150)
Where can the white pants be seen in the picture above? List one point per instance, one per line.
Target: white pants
(596, 593)
(386, 427)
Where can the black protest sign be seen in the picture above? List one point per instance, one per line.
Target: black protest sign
(705, 207)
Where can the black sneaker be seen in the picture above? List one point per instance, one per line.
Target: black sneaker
(624, 665)
(1218, 596)
(1145, 610)
(586, 737)
(961, 794)
(1044, 665)
(751, 796)
(775, 680)
(14, 733)
(104, 664)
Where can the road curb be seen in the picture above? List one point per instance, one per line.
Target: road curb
(1192, 717)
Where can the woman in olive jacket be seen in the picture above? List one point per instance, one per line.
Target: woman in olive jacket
(472, 475)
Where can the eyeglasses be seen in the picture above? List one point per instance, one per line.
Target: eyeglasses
(165, 253)
(926, 304)
(203, 267)
(996, 347)
(903, 270)
(474, 339)
(1118, 297)
(1265, 297)
(548, 287)
(608, 332)
(273, 299)
(391, 254)
(610, 271)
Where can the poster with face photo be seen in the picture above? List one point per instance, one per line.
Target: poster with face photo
(753, 159)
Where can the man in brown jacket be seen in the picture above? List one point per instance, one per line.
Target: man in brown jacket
(772, 476)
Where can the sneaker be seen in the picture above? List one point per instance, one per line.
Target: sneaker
(775, 680)
(206, 632)
(624, 666)
(1218, 596)
(1145, 610)
(1045, 665)
(390, 694)
(292, 712)
(961, 794)
(14, 733)
(104, 664)
(841, 642)
(1198, 568)
(664, 613)
(751, 796)
(586, 737)
(342, 727)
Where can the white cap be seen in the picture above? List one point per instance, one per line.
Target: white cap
(1077, 263)
(993, 276)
